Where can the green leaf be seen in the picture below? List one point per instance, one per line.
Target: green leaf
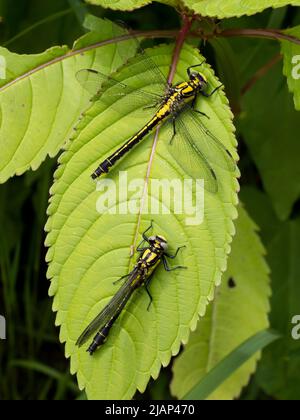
(269, 125)
(234, 8)
(291, 70)
(88, 250)
(228, 70)
(238, 312)
(259, 207)
(231, 363)
(280, 363)
(120, 4)
(41, 98)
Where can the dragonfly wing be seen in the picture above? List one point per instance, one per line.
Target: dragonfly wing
(190, 157)
(212, 148)
(107, 312)
(116, 94)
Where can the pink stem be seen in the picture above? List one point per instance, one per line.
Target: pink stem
(178, 47)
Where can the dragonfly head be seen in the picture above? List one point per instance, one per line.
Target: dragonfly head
(198, 79)
(158, 242)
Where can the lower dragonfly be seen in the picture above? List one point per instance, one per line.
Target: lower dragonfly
(193, 146)
(150, 257)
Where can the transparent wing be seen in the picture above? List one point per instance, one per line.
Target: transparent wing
(98, 83)
(118, 95)
(108, 311)
(212, 148)
(190, 157)
(145, 85)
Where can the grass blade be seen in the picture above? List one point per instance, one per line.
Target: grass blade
(230, 364)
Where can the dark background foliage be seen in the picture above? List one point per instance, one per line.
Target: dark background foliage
(32, 361)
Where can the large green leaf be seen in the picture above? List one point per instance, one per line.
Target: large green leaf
(231, 363)
(291, 53)
(238, 312)
(269, 125)
(259, 207)
(41, 98)
(231, 8)
(120, 4)
(213, 8)
(88, 251)
(281, 362)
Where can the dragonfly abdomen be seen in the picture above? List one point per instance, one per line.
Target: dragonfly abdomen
(102, 335)
(108, 163)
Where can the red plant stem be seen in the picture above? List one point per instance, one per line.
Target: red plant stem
(187, 23)
(261, 73)
(256, 33)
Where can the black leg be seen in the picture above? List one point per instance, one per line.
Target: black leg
(145, 238)
(141, 248)
(192, 67)
(122, 278)
(201, 113)
(147, 290)
(208, 95)
(196, 110)
(151, 106)
(176, 253)
(167, 268)
(174, 128)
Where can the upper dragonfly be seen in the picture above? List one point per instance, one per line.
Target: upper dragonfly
(192, 145)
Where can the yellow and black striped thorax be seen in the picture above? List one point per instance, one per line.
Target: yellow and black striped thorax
(151, 256)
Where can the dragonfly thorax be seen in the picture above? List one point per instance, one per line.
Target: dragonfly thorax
(197, 83)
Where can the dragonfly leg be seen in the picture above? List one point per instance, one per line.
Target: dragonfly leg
(168, 268)
(145, 237)
(176, 253)
(208, 95)
(192, 67)
(148, 292)
(174, 128)
(121, 278)
(141, 248)
(196, 110)
(151, 106)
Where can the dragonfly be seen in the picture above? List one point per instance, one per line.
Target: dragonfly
(195, 148)
(150, 257)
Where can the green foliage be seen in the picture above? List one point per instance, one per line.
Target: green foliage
(291, 68)
(212, 8)
(89, 244)
(120, 4)
(241, 305)
(283, 357)
(234, 8)
(42, 127)
(278, 369)
(273, 144)
(231, 363)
